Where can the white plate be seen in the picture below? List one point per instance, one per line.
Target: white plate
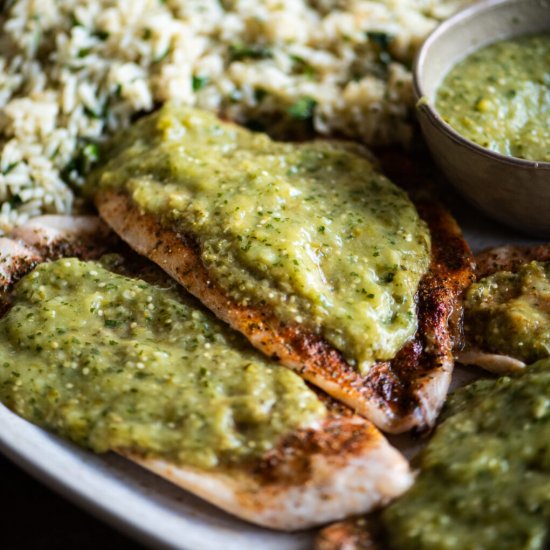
(149, 508)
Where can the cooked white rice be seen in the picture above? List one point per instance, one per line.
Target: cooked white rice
(73, 71)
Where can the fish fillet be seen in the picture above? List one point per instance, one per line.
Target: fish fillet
(406, 392)
(343, 466)
(488, 262)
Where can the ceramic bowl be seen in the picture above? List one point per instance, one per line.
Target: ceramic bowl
(511, 190)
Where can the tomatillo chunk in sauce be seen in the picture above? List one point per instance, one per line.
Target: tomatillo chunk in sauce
(484, 479)
(499, 97)
(509, 313)
(115, 363)
(310, 231)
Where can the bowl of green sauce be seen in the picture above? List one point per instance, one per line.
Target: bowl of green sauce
(482, 81)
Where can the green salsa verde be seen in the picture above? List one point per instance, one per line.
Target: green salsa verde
(509, 313)
(499, 97)
(312, 230)
(115, 363)
(484, 481)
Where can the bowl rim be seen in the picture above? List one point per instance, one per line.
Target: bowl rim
(423, 105)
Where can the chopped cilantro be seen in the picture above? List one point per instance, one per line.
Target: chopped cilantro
(239, 51)
(199, 82)
(302, 109)
(381, 39)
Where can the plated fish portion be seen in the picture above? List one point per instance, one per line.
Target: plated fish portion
(507, 312)
(310, 252)
(115, 356)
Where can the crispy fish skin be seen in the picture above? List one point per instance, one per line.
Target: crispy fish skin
(489, 262)
(343, 466)
(398, 395)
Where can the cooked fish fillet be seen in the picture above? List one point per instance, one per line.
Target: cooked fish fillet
(398, 395)
(488, 262)
(315, 475)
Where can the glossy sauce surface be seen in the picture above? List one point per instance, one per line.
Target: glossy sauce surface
(113, 362)
(499, 97)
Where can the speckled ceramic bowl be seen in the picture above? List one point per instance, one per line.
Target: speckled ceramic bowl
(513, 191)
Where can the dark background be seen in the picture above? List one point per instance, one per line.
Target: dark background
(35, 518)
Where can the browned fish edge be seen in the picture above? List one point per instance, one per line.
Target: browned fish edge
(509, 258)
